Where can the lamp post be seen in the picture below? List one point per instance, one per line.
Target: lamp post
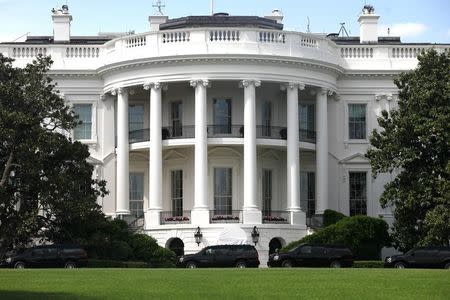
(198, 236)
(255, 235)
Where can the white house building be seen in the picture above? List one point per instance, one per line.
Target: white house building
(227, 125)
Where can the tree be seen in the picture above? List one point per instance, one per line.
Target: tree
(46, 185)
(414, 141)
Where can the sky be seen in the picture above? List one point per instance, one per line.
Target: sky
(413, 20)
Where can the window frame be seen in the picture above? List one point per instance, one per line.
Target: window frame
(93, 137)
(176, 212)
(358, 199)
(137, 214)
(367, 103)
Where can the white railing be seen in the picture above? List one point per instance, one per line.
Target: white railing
(224, 35)
(136, 41)
(82, 52)
(28, 51)
(407, 52)
(175, 36)
(272, 37)
(357, 52)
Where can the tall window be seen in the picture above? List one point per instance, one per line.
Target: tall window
(267, 192)
(266, 118)
(137, 194)
(358, 193)
(176, 116)
(357, 121)
(306, 121)
(136, 121)
(177, 193)
(308, 192)
(222, 191)
(83, 131)
(222, 116)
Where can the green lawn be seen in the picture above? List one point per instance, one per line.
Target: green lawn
(224, 284)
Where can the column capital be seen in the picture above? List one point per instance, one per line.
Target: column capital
(119, 91)
(292, 86)
(156, 85)
(200, 82)
(326, 91)
(245, 83)
(386, 96)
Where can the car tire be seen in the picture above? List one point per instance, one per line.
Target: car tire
(70, 265)
(400, 265)
(336, 264)
(287, 264)
(447, 265)
(19, 265)
(191, 265)
(241, 264)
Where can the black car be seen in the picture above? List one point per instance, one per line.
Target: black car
(48, 256)
(421, 257)
(222, 256)
(307, 255)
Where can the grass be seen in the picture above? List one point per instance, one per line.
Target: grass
(224, 284)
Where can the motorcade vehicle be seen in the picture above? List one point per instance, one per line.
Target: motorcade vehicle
(421, 257)
(222, 256)
(47, 256)
(308, 255)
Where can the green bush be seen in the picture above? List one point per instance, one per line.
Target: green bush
(331, 217)
(120, 250)
(143, 246)
(104, 263)
(163, 258)
(365, 236)
(372, 264)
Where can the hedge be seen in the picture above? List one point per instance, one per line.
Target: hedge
(106, 263)
(331, 217)
(372, 264)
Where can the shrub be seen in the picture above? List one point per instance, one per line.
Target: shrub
(143, 246)
(104, 263)
(120, 250)
(365, 236)
(331, 217)
(372, 264)
(163, 258)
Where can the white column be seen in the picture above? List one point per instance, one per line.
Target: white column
(200, 212)
(155, 155)
(321, 152)
(122, 176)
(251, 214)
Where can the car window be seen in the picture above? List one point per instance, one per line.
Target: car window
(222, 251)
(209, 251)
(423, 253)
(306, 250)
(38, 252)
(318, 250)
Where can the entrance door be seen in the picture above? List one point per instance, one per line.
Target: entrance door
(177, 246)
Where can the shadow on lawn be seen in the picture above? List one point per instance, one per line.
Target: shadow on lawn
(22, 295)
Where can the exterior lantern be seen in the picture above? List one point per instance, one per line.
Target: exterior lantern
(198, 236)
(255, 235)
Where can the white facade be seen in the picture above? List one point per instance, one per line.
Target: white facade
(228, 127)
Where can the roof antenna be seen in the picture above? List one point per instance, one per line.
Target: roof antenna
(159, 6)
(343, 30)
(212, 7)
(308, 30)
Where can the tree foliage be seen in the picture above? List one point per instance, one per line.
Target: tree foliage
(46, 185)
(414, 143)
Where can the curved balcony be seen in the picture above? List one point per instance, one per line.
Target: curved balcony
(221, 131)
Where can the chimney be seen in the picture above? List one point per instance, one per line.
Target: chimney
(368, 25)
(61, 24)
(277, 15)
(155, 21)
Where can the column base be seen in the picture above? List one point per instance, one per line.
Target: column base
(152, 218)
(122, 212)
(298, 217)
(200, 216)
(252, 216)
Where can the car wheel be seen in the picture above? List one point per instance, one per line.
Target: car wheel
(336, 264)
(447, 266)
(19, 265)
(191, 265)
(287, 264)
(400, 265)
(241, 264)
(70, 265)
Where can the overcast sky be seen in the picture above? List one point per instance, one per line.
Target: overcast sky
(414, 20)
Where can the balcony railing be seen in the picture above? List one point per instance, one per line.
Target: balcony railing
(178, 132)
(220, 216)
(218, 131)
(271, 132)
(307, 136)
(137, 136)
(275, 217)
(175, 217)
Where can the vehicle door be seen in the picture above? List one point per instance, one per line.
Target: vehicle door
(319, 257)
(37, 258)
(425, 258)
(52, 258)
(303, 256)
(206, 259)
(223, 257)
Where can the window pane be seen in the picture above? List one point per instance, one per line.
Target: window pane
(307, 193)
(266, 118)
(176, 116)
(267, 192)
(83, 131)
(136, 117)
(358, 193)
(306, 121)
(137, 194)
(177, 193)
(222, 191)
(222, 116)
(357, 121)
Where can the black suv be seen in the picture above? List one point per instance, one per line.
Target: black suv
(222, 256)
(421, 257)
(307, 255)
(49, 256)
